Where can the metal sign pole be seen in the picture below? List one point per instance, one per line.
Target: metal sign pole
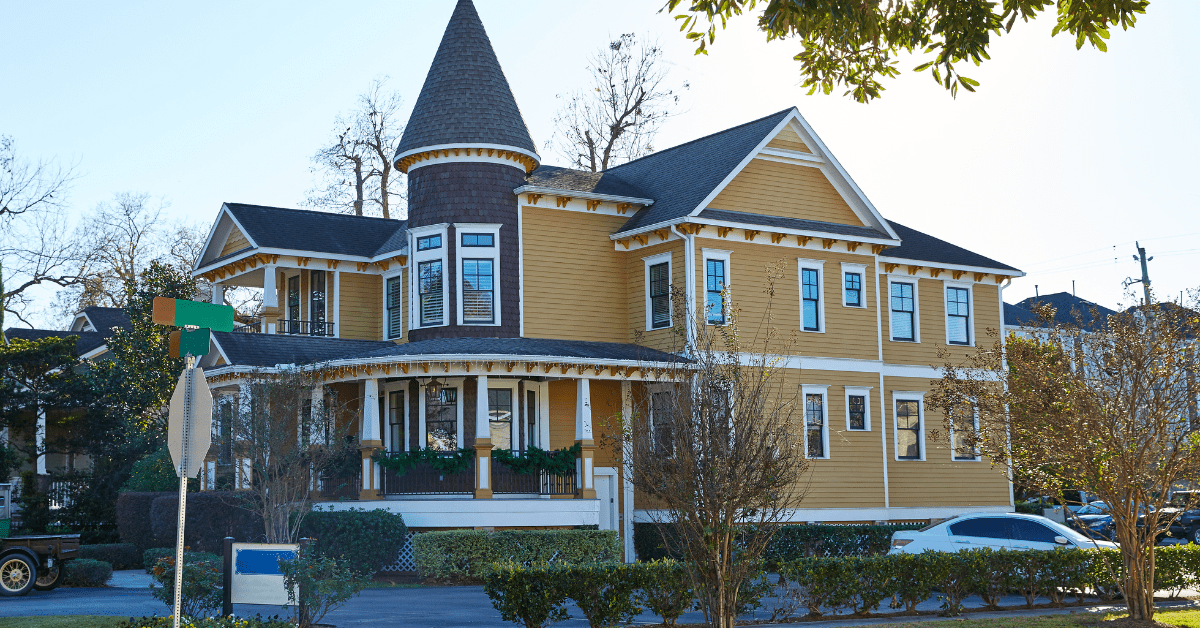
(190, 371)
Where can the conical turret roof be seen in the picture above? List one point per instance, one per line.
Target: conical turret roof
(465, 99)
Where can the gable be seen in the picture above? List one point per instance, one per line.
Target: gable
(788, 139)
(235, 242)
(774, 188)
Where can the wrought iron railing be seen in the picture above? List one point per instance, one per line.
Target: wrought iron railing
(423, 479)
(507, 481)
(341, 485)
(303, 328)
(248, 326)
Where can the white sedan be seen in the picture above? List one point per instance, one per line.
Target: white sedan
(997, 531)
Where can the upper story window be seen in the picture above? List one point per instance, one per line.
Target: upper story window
(478, 239)
(812, 309)
(909, 437)
(478, 291)
(431, 292)
(716, 283)
(854, 289)
(478, 274)
(958, 316)
(858, 408)
(316, 298)
(293, 298)
(429, 243)
(428, 296)
(658, 291)
(816, 435)
(395, 312)
(904, 312)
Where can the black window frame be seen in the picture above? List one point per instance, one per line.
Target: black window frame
(316, 302)
(531, 419)
(911, 300)
(491, 292)
(855, 290)
(438, 404)
(715, 290)
(429, 243)
(422, 293)
(861, 411)
(966, 318)
(495, 404)
(814, 298)
(395, 420)
(491, 240)
(293, 304)
(814, 422)
(660, 301)
(914, 428)
(394, 288)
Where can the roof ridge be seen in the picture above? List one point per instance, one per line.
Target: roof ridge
(704, 137)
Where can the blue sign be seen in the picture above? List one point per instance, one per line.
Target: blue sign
(257, 562)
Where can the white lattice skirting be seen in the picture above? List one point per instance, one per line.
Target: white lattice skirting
(405, 561)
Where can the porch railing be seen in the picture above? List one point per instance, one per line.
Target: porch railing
(507, 481)
(423, 479)
(248, 326)
(341, 485)
(303, 328)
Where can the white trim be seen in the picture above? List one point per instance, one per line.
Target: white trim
(418, 257)
(217, 231)
(399, 273)
(818, 265)
(520, 269)
(654, 260)
(919, 397)
(836, 515)
(385, 393)
(711, 222)
(865, 392)
(823, 391)
(464, 512)
(861, 271)
(514, 428)
(539, 189)
(916, 306)
(887, 498)
(723, 256)
(969, 287)
(627, 472)
(482, 253)
(284, 253)
(789, 156)
(1007, 272)
(614, 493)
(424, 149)
(337, 303)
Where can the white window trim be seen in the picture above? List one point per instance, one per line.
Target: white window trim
(815, 389)
(398, 273)
(456, 382)
(969, 287)
(818, 265)
(654, 260)
(385, 392)
(724, 256)
(861, 271)
(974, 418)
(478, 252)
(865, 392)
(919, 397)
(916, 306)
(513, 426)
(414, 281)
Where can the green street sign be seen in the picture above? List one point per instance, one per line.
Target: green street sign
(181, 313)
(188, 342)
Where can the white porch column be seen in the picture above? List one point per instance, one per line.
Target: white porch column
(627, 472)
(585, 483)
(369, 441)
(242, 471)
(337, 303)
(316, 435)
(483, 440)
(40, 441)
(218, 293)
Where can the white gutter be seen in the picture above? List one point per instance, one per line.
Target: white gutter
(689, 272)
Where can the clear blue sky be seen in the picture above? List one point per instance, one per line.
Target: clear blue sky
(1056, 166)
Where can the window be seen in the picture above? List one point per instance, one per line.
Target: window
(395, 313)
(293, 304)
(478, 302)
(958, 316)
(660, 422)
(660, 295)
(531, 418)
(429, 243)
(983, 527)
(903, 312)
(441, 419)
(431, 296)
(316, 302)
(478, 239)
(854, 289)
(1025, 530)
(964, 432)
(858, 412)
(814, 425)
(396, 421)
(812, 300)
(908, 429)
(500, 415)
(714, 291)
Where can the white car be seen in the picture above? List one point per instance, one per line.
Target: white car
(997, 531)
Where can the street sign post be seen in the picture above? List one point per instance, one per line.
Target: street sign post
(189, 427)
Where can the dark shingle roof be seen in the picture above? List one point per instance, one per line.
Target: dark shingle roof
(1069, 309)
(539, 347)
(105, 318)
(465, 99)
(319, 232)
(1017, 316)
(793, 223)
(270, 349)
(582, 181)
(918, 246)
(85, 342)
(679, 178)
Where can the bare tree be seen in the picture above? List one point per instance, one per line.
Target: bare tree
(719, 453)
(615, 118)
(1104, 409)
(356, 166)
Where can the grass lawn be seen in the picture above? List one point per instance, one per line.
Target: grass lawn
(1188, 619)
(61, 621)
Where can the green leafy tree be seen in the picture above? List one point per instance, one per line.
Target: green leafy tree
(37, 377)
(856, 44)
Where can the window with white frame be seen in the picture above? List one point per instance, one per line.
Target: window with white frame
(479, 265)
(816, 421)
(431, 293)
(858, 408)
(397, 439)
(395, 310)
(500, 417)
(853, 294)
(658, 291)
(958, 315)
(908, 426)
(812, 307)
(442, 419)
(716, 285)
(964, 432)
(903, 305)
(429, 299)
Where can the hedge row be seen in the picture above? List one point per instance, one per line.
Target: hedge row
(119, 555)
(791, 541)
(367, 539)
(470, 554)
(86, 572)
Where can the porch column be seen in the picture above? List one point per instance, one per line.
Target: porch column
(627, 471)
(218, 294)
(370, 442)
(483, 440)
(585, 484)
(270, 298)
(316, 435)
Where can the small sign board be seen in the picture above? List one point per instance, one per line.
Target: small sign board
(193, 342)
(257, 578)
(181, 313)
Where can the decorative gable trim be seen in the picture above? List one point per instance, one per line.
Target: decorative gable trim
(220, 233)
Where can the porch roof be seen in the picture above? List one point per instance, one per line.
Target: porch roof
(265, 350)
(526, 347)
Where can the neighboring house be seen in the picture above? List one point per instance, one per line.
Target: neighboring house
(503, 312)
(1068, 309)
(91, 329)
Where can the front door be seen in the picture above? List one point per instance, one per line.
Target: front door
(607, 496)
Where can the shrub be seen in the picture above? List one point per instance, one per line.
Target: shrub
(151, 557)
(799, 541)
(915, 579)
(232, 621)
(666, 588)
(133, 519)
(604, 592)
(155, 472)
(470, 554)
(527, 596)
(367, 540)
(211, 516)
(202, 579)
(318, 584)
(86, 572)
(119, 555)
(822, 583)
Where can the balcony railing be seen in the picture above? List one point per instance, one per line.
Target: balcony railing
(303, 328)
(423, 479)
(248, 326)
(341, 485)
(507, 481)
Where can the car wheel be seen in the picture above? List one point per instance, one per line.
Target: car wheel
(49, 579)
(17, 575)
(1195, 536)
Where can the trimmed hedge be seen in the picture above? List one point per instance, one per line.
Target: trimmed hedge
(367, 539)
(151, 557)
(792, 541)
(211, 516)
(232, 621)
(85, 572)
(119, 555)
(470, 554)
(133, 518)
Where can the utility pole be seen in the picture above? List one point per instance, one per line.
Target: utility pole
(1145, 280)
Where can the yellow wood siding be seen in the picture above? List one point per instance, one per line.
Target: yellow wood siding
(235, 242)
(778, 189)
(852, 476)
(938, 480)
(361, 309)
(562, 413)
(574, 281)
(662, 339)
(931, 299)
(788, 140)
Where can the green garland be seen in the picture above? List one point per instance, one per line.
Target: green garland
(443, 461)
(560, 462)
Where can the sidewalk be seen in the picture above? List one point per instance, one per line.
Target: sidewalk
(131, 579)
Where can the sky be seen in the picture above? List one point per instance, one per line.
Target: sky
(1057, 165)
